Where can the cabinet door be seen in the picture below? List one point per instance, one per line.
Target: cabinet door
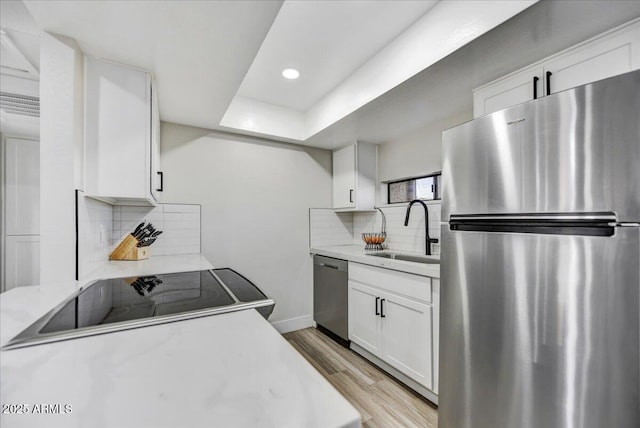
(364, 324)
(22, 179)
(407, 337)
(22, 261)
(344, 177)
(602, 58)
(117, 131)
(157, 182)
(436, 334)
(514, 89)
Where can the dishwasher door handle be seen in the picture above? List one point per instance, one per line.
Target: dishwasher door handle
(329, 266)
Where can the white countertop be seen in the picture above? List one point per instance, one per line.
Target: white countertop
(357, 253)
(152, 266)
(229, 370)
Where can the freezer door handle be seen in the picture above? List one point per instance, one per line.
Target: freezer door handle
(587, 224)
(550, 217)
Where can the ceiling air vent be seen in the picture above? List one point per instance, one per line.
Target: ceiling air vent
(23, 105)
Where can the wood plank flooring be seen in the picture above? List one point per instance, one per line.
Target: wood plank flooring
(381, 400)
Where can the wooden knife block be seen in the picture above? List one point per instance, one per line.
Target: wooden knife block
(128, 250)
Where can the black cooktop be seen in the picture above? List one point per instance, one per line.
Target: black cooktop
(124, 303)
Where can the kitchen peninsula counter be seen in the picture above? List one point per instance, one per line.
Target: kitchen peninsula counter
(229, 370)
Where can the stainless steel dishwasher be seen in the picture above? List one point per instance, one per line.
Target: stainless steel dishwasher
(331, 295)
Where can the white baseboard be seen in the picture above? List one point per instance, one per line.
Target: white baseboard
(292, 324)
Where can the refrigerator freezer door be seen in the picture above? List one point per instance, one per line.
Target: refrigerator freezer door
(575, 151)
(539, 330)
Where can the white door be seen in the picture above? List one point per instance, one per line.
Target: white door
(22, 187)
(595, 61)
(512, 90)
(364, 323)
(22, 261)
(21, 213)
(407, 337)
(344, 177)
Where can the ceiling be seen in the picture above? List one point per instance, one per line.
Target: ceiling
(199, 51)
(217, 63)
(326, 42)
(19, 70)
(370, 70)
(444, 90)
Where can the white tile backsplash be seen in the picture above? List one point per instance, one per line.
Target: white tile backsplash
(95, 230)
(400, 238)
(180, 225)
(101, 227)
(327, 227)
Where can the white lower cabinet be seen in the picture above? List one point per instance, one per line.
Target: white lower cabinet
(364, 317)
(393, 320)
(407, 342)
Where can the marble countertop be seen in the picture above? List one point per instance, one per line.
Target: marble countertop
(356, 253)
(231, 370)
(151, 266)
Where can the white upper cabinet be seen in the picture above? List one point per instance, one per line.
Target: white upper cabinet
(603, 57)
(121, 134)
(157, 176)
(609, 54)
(516, 88)
(354, 177)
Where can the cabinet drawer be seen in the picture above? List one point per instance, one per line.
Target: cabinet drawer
(407, 284)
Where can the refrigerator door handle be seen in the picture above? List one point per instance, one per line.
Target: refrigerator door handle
(591, 224)
(551, 217)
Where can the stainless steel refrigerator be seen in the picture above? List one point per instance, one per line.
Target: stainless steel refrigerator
(540, 270)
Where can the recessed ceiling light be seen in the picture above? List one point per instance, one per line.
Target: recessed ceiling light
(290, 73)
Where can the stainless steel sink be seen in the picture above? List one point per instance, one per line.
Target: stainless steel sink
(407, 258)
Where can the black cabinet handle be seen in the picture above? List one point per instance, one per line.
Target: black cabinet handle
(161, 174)
(350, 195)
(377, 311)
(382, 315)
(549, 82)
(535, 87)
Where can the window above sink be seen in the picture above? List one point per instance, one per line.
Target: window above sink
(425, 187)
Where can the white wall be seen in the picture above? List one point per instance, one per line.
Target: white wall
(417, 153)
(61, 106)
(255, 198)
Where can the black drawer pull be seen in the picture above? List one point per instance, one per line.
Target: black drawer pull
(549, 82)
(377, 311)
(382, 315)
(535, 87)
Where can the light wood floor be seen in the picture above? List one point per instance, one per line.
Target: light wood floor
(381, 400)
